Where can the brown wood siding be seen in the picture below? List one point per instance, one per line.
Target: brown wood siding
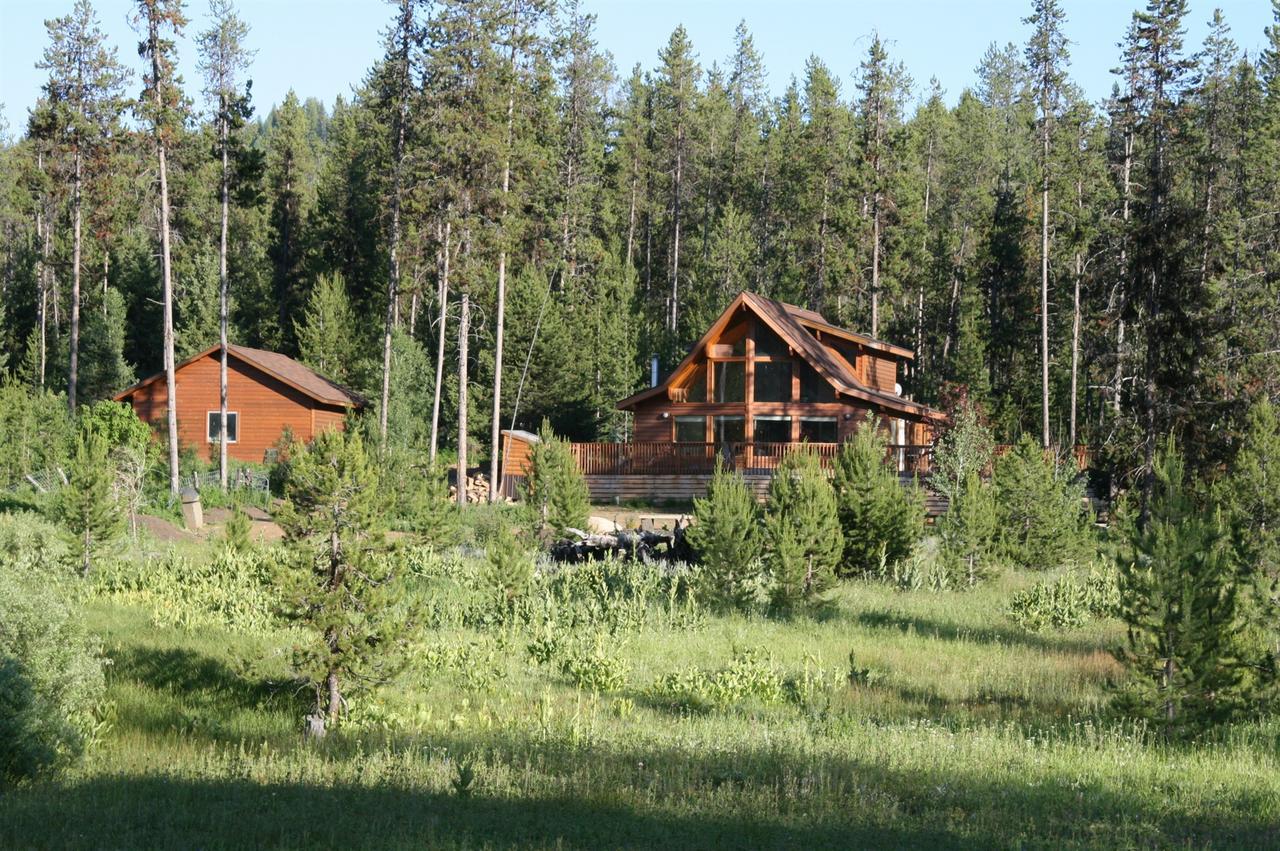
(516, 455)
(265, 405)
(884, 374)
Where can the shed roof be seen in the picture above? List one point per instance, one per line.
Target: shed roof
(282, 367)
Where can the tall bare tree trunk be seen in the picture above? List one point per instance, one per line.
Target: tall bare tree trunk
(223, 134)
(443, 318)
(1044, 289)
(406, 23)
(166, 275)
(875, 266)
(42, 279)
(1127, 189)
(464, 328)
(74, 368)
(1075, 348)
(495, 435)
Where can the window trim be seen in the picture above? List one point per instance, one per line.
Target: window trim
(209, 421)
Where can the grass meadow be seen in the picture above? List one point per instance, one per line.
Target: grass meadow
(618, 715)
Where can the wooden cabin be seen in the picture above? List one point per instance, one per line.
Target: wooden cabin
(267, 392)
(766, 379)
(772, 373)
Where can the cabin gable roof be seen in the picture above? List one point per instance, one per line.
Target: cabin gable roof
(796, 326)
(281, 367)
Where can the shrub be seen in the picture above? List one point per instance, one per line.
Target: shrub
(881, 520)
(725, 535)
(507, 573)
(967, 447)
(1067, 601)
(234, 590)
(31, 545)
(802, 532)
(51, 682)
(595, 669)
(36, 435)
(1038, 508)
(236, 534)
(750, 674)
(554, 490)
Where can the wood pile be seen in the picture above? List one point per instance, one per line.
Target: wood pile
(477, 489)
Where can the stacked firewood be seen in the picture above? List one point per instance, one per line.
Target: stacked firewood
(477, 489)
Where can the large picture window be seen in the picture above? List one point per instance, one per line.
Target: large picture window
(691, 429)
(215, 420)
(773, 381)
(772, 429)
(731, 381)
(731, 429)
(813, 387)
(818, 429)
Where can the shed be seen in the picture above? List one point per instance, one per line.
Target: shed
(267, 392)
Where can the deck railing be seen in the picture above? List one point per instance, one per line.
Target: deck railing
(661, 458)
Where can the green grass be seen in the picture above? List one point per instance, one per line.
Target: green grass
(961, 731)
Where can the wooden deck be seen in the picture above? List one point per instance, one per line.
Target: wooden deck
(662, 471)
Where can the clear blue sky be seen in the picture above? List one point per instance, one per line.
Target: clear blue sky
(321, 47)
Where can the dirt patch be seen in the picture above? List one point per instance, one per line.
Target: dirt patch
(262, 528)
(162, 529)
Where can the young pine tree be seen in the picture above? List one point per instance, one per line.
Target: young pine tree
(340, 579)
(1178, 599)
(1038, 509)
(87, 506)
(725, 535)
(507, 572)
(327, 332)
(969, 527)
(555, 490)
(802, 531)
(880, 518)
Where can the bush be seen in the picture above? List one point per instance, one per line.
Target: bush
(234, 590)
(507, 573)
(725, 535)
(881, 520)
(967, 447)
(51, 681)
(802, 531)
(31, 545)
(749, 675)
(36, 435)
(1067, 601)
(1039, 510)
(554, 490)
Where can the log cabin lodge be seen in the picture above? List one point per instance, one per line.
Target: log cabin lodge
(765, 378)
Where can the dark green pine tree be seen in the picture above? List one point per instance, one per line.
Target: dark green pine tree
(1178, 601)
(726, 537)
(340, 581)
(290, 166)
(87, 506)
(881, 519)
(969, 528)
(802, 530)
(327, 332)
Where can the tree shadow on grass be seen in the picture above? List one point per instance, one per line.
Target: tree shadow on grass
(948, 631)
(624, 795)
(203, 684)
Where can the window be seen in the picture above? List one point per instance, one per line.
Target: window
(772, 429)
(813, 387)
(731, 429)
(818, 429)
(215, 420)
(769, 344)
(696, 389)
(691, 429)
(731, 381)
(773, 381)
